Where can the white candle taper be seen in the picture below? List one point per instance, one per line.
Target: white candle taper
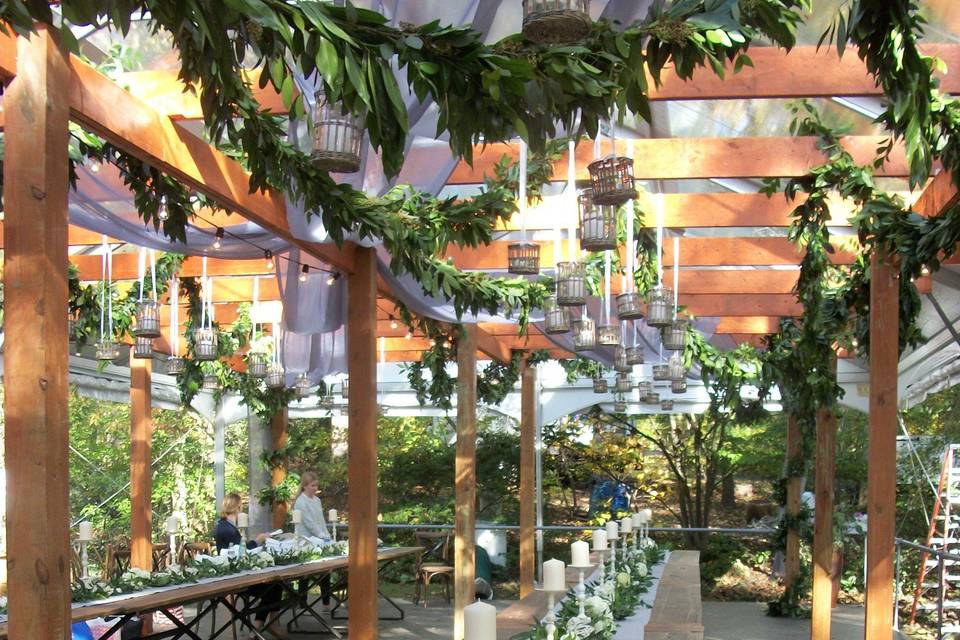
(599, 540)
(243, 520)
(613, 530)
(579, 554)
(479, 621)
(554, 575)
(85, 531)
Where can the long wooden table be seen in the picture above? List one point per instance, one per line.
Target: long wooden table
(677, 610)
(215, 589)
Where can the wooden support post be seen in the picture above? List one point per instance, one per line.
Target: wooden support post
(792, 559)
(823, 522)
(278, 440)
(362, 446)
(882, 446)
(35, 375)
(528, 413)
(141, 456)
(464, 558)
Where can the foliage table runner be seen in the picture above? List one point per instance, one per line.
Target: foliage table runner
(633, 627)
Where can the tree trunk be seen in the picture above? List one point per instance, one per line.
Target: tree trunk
(728, 496)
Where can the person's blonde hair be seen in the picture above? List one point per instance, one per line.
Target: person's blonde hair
(308, 477)
(231, 504)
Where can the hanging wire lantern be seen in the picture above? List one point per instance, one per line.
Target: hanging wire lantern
(620, 363)
(628, 306)
(257, 362)
(175, 365)
(584, 335)
(71, 327)
(619, 406)
(678, 386)
(276, 376)
(634, 355)
(612, 180)
(302, 385)
(608, 335)
(148, 319)
(571, 284)
(674, 335)
(598, 224)
(523, 258)
(659, 307)
(623, 384)
(666, 405)
(661, 372)
(555, 319)
(652, 398)
(600, 385)
(337, 136)
(644, 387)
(211, 382)
(107, 350)
(345, 390)
(205, 344)
(556, 21)
(676, 369)
(143, 348)
(326, 402)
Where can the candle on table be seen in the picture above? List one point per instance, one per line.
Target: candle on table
(626, 525)
(579, 554)
(85, 533)
(554, 575)
(243, 520)
(479, 621)
(599, 540)
(637, 519)
(647, 515)
(296, 516)
(613, 530)
(332, 515)
(173, 524)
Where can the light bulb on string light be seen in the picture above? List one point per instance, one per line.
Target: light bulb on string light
(95, 167)
(924, 270)
(393, 322)
(333, 278)
(218, 239)
(268, 260)
(433, 342)
(409, 335)
(162, 213)
(303, 273)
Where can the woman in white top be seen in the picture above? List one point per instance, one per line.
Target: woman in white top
(308, 504)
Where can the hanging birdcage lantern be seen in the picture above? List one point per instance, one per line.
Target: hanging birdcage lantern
(678, 386)
(608, 335)
(571, 284)
(661, 372)
(623, 384)
(675, 365)
(674, 335)
(337, 136)
(523, 258)
(666, 405)
(598, 224)
(107, 350)
(257, 362)
(276, 376)
(555, 319)
(652, 398)
(175, 365)
(634, 355)
(620, 363)
(143, 348)
(600, 385)
(659, 307)
(345, 391)
(611, 179)
(326, 402)
(71, 327)
(584, 335)
(210, 382)
(628, 306)
(620, 406)
(148, 319)
(205, 344)
(302, 385)
(643, 388)
(556, 21)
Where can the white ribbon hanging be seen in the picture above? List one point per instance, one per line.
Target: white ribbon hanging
(103, 285)
(254, 309)
(522, 192)
(631, 243)
(676, 275)
(153, 273)
(276, 343)
(110, 291)
(210, 303)
(658, 205)
(141, 270)
(572, 194)
(175, 316)
(203, 297)
(606, 287)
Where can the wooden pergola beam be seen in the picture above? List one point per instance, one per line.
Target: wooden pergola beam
(939, 195)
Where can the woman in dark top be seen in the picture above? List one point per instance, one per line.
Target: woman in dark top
(226, 535)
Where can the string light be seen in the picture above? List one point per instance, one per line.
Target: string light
(218, 240)
(409, 335)
(268, 260)
(304, 272)
(95, 167)
(334, 276)
(433, 342)
(924, 270)
(393, 323)
(162, 212)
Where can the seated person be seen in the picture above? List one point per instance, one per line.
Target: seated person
(312, 522)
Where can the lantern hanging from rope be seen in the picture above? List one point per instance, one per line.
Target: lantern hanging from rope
(327, 402)
(634, 355)
(628, 306)
(148, 311)
(629, 302)
(661, 372)
(337, 136)
(659, 307)
(142, 348)
(620, 363)
(600, 385)
(678, 386)
(210, 382)
(106, 348)
(276, 374)
(623, 384)
(584, 334)
(175, 364)
(555, 319)
(345, 390)
(523, 258)
(598, 224)
(206, 341)
(556, 21)
(652, 398)
(677, 371)
(302, 385)
(571, 284)
(666, 405)
(674, 335)
(608, 333)
(619, 405)
(643, 388)
(71, 326)
(257, 357)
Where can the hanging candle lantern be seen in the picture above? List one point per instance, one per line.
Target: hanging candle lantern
(211, 382)
(600, 385)
(643, 388)
(302, 385)
(276, 376)
(337, 136)
(205, 344)
(523, 258)
(608, 335)
(678, 386)
(659, 307)
(676, 369)
(674, 335)
(634, 355)
(555, 319)
(666, 405)
(652, 398)
(143, 348)
(148, 319)
(556, 21)
(623, 384)
(612, 180)
(107, 350)
(661, 372)
(326, 402)
(257, 362)
(620, 363)
(584, 335)
(571, 284)
(175, 365)
(598, 224)
(71, 327)
(345, 391)
(619, 406)
(628, 306)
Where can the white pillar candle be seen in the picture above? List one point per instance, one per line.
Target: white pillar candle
(85, 532)
(599, 540)
(647, 515)
(637, 519)
(173, 524)
(554, 575)
(613, 530)
(332, 515)
(479, 621)
(579, 554)
(296, 516)
(626, 525)
(243, 520)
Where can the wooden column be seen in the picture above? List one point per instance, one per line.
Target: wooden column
(792, 554)
(35, 382)
(882, 447)
(141, 456)
(464, 559)
(362, 445)
(278, 440)
(823, 522)
(528, 416)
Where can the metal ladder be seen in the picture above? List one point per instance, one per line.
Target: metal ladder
(938, 589)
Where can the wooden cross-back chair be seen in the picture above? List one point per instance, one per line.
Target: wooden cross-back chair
(117, 561)
(434, 562)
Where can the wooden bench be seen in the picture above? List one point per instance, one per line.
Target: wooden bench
(677, 612)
